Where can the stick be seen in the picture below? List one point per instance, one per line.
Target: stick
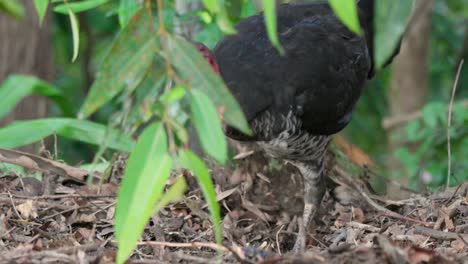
(449, 122)
(393, 122)
(38, 163)
(213, 246)
(438, 234)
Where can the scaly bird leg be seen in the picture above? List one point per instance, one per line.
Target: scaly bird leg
(314, 189)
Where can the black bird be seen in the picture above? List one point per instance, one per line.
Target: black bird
(295, 102)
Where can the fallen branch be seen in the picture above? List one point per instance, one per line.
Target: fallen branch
(393, 122)
(38, 163)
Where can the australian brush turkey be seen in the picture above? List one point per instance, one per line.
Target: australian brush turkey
(295, 102)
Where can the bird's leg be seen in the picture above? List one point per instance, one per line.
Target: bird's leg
(314, 189)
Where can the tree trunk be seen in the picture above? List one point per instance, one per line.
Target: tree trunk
(191, 27)
(409, 83)
(26, 48)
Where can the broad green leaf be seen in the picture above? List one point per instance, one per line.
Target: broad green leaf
(126, 64)
(269, 9)
(193, 68)
(16, 87)
(41, 8)
(148, 168)
(13, 8)
(77, 7)
(75, 33)
(206, 122)
(127, 9)
(346, 11)
(390, 23)
(191, 161)
(22, 133)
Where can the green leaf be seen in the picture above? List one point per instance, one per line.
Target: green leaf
(13, 8)
(193, 68)
(191, 161)
(174, 95)
(125, 66)
(127, 9)
(41, 8)
(433, 113)
(173, 194)
(16, 87)
(218, 7)
(22, 133)
(210, 5)
(206, 122)
(75, 33)
(390, 23)
(148, 169)
(269, 8)
(346, 11)
(77, 7)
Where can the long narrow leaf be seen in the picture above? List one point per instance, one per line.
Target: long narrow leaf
(41, 8)
(148, 169)
(77, 7)
(198, 73)
(206, 121)
(173, 194)
(16, 87)
(269, 7)
(22, 133)
(346, 11)
(191, 161)
(75, 26)
(13, 8)
(391, 20)
(126, 64)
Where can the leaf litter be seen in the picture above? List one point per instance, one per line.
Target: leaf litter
(260, 202)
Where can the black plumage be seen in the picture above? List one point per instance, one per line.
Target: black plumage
(295, 102)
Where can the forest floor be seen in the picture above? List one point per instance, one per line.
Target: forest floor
(55, 220)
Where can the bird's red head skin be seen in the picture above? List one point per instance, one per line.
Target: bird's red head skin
(208, 55)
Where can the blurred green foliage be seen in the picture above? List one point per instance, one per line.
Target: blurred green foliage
(123, 57)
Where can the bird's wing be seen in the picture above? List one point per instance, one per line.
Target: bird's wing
(318, 49)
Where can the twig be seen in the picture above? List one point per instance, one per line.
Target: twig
(462, 239)
(437, 234)
(449, 123)
(38, 163)
(213, 246)
(277, 239)
(376, 206)
(14, 206)
(392, 122)
(61, 196)
(405, 218)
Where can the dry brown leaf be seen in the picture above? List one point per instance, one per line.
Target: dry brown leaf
(358, 214)
(354, 154)
(28, 209)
